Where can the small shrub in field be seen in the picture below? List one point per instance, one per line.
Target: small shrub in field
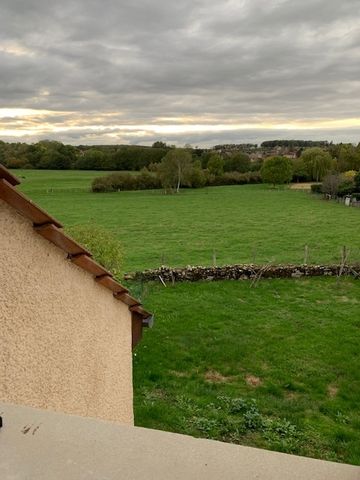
(105, 247)
(102, 184)
(235, 178)
(146, 181)
(122, 181)
(125, 181)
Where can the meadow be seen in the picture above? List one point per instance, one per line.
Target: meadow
(276, 366)
(239, 224)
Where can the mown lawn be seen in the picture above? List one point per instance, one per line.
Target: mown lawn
(250, 223)
(277, 366)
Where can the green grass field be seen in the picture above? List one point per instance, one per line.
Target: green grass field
(275, 366)
(249, 223)
(46, 181)
(292, 346)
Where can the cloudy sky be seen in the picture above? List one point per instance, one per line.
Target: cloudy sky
(186, 71)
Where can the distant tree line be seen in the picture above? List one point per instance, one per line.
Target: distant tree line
(202, 167)
(52, 155)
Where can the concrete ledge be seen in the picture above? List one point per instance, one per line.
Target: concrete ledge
(42, 445)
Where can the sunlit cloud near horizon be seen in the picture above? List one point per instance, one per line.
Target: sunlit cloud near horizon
(195, 72)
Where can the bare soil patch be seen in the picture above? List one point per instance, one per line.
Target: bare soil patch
(216, 377)
(332, 390)
(301, 186)
(345, 299)
(253, 381)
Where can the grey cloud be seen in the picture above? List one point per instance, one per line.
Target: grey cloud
(228, 61)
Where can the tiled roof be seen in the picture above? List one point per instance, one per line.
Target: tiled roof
(50, 229)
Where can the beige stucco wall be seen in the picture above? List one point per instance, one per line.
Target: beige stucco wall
(65, 342)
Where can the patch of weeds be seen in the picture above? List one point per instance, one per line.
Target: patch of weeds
(186, 404)
(253, 420)
(204, 425)
(232, 430)
(240, 405)
(282, 435)
(236, 405)
(214, 407)
(341, 418)
(152, 397)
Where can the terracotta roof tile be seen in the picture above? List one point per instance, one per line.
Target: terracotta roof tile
(128, 299)
(89, 264)
(60, 239)
(23, 205)
(110, 283)
(9, 177)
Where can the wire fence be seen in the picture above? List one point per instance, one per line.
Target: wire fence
(307, 255)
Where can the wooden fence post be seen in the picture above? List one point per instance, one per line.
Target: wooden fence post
(306, 253)
(214, 257)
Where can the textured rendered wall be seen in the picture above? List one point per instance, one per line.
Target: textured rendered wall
(65, 342)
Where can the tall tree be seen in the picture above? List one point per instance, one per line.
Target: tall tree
(159, 144)
(317, 162)
(215, 164)
(175, 169)
(277, 170)
(348, 158)
(237, 162)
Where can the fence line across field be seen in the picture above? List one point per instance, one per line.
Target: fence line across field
(308, 255)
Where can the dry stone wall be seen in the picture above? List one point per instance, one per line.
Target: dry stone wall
(242, 272)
